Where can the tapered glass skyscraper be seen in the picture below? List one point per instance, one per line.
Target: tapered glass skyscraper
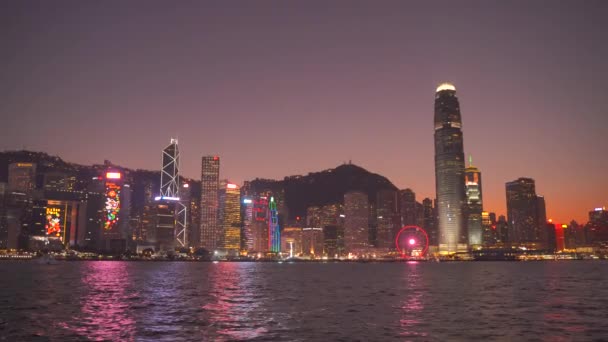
(449, 170)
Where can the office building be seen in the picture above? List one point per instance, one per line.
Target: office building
(449, 170)
(229, 218)
(356, 222)
(597, 227)
(210, 186)
(21, 177)
(526, 214)
(474, 205)
(388, 219)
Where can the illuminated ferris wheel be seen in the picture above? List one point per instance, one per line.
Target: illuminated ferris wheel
(412, 242)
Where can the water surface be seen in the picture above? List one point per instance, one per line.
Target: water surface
(179, 301)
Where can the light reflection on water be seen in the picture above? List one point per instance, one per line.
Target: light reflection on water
(413, 302)
(234, 307)
(104, 307)
(164, 301)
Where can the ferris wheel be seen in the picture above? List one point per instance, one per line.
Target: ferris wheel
(412, 242)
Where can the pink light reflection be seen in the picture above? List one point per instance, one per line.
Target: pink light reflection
(104, 313)
(235, 309)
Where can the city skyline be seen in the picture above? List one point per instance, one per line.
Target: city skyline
(533, 105)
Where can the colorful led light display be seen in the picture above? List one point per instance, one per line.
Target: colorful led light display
(112, 206)
(53, 221)
(274, 233)
(260, 209)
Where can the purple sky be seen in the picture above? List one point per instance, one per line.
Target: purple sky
(286, 87)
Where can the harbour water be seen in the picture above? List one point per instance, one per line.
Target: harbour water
(227, 301)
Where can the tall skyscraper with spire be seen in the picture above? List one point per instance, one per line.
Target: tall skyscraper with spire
(170, 214)
(449, 170)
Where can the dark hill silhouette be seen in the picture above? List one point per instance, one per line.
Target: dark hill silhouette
(325, 187)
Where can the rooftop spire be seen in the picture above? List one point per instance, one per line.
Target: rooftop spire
(470, 160)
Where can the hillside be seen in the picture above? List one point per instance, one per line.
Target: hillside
(325, 187)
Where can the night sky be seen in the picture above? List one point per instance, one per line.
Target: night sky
(279, 88)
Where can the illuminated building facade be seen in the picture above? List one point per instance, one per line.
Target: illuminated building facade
(59, 181)
(162, 218)
(210, 186)
(474, 205)
(112, 201)
(388, 220)
(193, 197)
(95, 215)
(502, 231)
(230, 217)
(169, 176)
(429, 222)
(597, 227)
(526, 214)
(330, 220)
(274, 231)
(407, 199)
(54, 219)
(356, 222)
(22, 177)
(312, 242)
(488, 236)
(313, 217)
(291, 241)
(333, 241)
(560, 241)
(247, 239)
(259, 226)
(449, 170)
(170, 195)
(113, 232)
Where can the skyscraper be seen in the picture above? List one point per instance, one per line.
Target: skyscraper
(407, 199)
(169, 176)
(449, 169)
(21, 177)
(274, 231)
(526, 214)
(474, 204)
(230, 217)
(210, 186)
(597, 227)
(176, 233)
(259, 229)
(356, 222)
(388, 218)
(247, 219)
(428, 221)
(114, 239)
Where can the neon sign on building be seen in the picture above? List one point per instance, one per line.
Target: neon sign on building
(274, 233)
(112, 205)
(53, 222)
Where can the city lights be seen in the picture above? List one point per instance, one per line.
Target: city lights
(113, 175)
(112, 205)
